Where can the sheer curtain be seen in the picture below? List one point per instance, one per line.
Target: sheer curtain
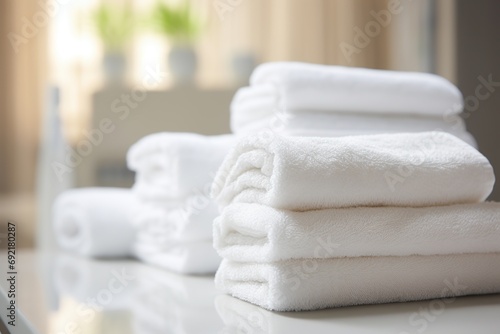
(309, 31)
(321, 31)
(22, 81)
(22, 73)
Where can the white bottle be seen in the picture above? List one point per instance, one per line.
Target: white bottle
(49, 183)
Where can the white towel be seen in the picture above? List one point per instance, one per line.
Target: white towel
(257, 233)
(247, 117)
(186, 221)
(305, 173)
(301, 86)
(176, 165)
(186, 258)
(310, 284)
(170, 303)
(95, 221)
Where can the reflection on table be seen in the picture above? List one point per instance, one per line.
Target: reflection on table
(126, 297)
(90, 296)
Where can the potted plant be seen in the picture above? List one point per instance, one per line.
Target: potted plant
(115, 26)
(181, 26)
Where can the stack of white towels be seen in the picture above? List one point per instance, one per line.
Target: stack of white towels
(302, 99)
(311, 222)
(174, 172)
(164, 220)
(349, 186)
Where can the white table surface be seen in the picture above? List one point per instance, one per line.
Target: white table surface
(60, 293)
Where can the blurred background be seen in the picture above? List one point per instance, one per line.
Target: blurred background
(83, 80)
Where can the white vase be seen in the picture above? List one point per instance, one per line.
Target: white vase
(183, 63)
(114, 67)
(243, 65)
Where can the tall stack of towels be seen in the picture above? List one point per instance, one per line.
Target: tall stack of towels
(310, 222)
(340, 186)
(174, 172)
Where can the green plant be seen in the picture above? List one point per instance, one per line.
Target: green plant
(176, 22)
(115, 25)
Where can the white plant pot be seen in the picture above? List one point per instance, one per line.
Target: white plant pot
(183, 64)
(114, 67)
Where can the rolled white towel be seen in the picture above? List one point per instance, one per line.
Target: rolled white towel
(95, 221)
(306, 173)
(258, 233)
(310, 284)
(184, 257)
(302, 86)
(176, 165)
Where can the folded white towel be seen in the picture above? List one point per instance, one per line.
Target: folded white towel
(186, 258)
(305, 173)
(176, 165)
(310, 284)
(258, 233)
(301, 86)
(95, 221)
(248, 117)
(189, 220)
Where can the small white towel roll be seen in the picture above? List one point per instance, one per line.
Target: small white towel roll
(310, 284)
(258, 233)
(307, 173)
(95, 221)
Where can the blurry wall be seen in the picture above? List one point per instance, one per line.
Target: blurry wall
(4, 102)
(478, 56)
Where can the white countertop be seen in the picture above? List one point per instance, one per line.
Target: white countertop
(58, 293)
